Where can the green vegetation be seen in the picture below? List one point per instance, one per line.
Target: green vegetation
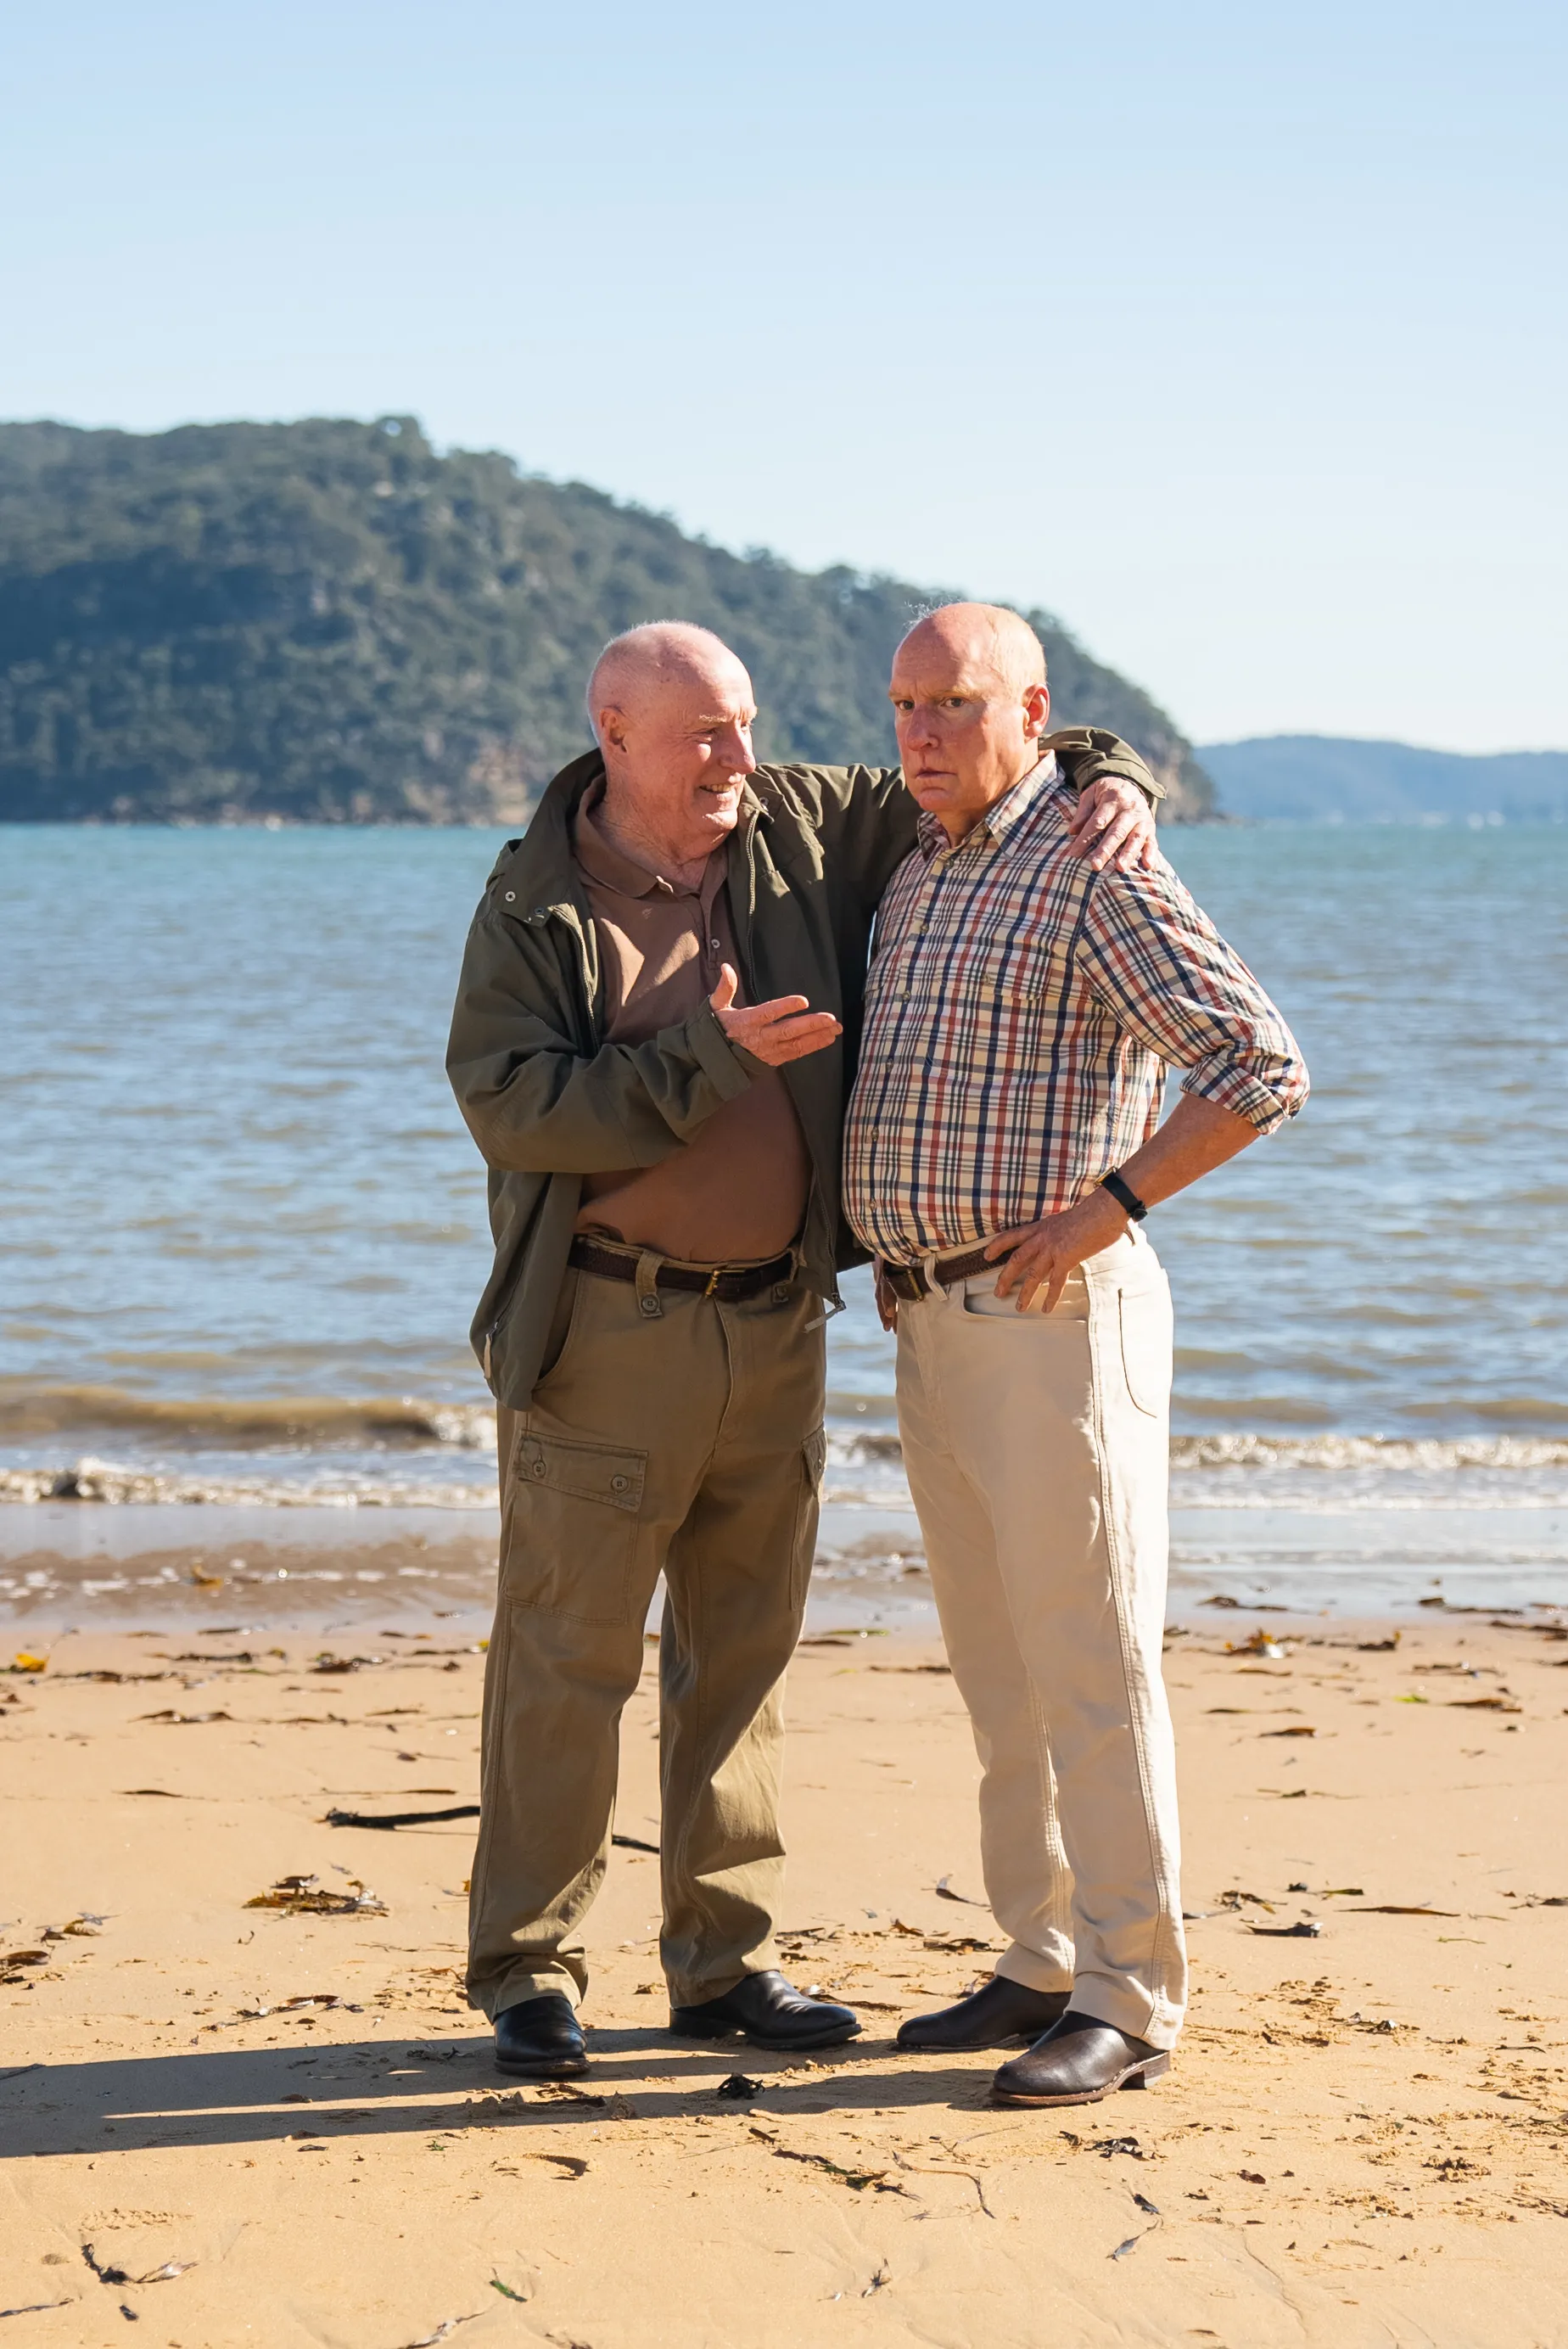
(1329, 779)
(330, 623)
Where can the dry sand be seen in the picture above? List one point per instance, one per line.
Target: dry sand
(1362, 2140)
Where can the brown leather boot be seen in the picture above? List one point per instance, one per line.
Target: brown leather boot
(1079, 2061)
(1000, 2013)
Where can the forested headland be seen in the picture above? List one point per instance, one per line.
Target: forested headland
(1329, 779)
(330, 622)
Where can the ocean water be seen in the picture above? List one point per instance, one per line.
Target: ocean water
(241, 1230)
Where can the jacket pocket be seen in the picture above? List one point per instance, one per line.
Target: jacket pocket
(569, 1531)
(1145, 1319)
(814, 1460)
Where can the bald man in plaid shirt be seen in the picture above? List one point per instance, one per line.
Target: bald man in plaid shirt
(1001, 1149)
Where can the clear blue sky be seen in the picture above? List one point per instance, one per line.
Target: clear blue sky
(1233, 333)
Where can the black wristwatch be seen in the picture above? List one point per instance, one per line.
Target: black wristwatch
(1124, 1194)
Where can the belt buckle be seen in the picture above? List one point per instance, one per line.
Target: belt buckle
(907, 1281)
(713, 1278)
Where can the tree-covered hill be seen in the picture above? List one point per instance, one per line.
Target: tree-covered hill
(1330, 778)
(329, 622)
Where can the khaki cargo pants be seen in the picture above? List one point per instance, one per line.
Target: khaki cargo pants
(688, 1440)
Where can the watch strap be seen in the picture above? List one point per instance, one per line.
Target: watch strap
(1124, 1194)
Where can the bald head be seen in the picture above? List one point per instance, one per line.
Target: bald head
(672, 708)
(661, 660)
(970, 704)
(984, 639)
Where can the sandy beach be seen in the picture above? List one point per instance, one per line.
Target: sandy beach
(230, 2124)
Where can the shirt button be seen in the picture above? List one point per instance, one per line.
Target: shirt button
(511, 896)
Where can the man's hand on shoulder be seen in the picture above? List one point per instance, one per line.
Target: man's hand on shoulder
(1114, 825)
(787, 1028)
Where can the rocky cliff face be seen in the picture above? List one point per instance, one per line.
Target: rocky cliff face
(328, 622)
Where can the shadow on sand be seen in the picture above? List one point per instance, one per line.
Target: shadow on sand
(362, 2088)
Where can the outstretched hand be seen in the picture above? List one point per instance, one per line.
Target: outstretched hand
(1114, 824)
(787, 1028)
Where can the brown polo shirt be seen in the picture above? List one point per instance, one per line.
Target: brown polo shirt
(736, 1192)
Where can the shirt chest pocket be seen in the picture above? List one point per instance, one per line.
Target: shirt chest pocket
(1020, 969)
(1013, 972)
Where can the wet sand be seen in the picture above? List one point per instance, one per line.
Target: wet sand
(231, 2125)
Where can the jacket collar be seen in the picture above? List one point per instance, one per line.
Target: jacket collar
(540, 868)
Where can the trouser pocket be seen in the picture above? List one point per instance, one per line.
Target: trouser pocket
(1144, 1314)
(566, 1323)
(569, 1531)
(814, 1460)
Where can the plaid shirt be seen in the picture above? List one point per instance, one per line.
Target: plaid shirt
(1020, 1011)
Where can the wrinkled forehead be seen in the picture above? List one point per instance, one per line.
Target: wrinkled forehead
(694, 693)
(928, 667)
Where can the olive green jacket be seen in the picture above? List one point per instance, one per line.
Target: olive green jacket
(548, 1101)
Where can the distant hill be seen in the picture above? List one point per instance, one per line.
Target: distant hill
(329, 622)
(1321, 778)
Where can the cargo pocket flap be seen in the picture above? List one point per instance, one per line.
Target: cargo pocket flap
(589, 1472)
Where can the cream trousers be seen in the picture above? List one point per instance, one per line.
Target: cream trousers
(1037, 1448)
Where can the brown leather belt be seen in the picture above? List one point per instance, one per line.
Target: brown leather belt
(908, 1281)
(731, 1287)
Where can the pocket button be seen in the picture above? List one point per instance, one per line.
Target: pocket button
(619, 1484)
(539, 1469)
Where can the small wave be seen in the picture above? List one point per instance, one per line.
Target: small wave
(857, 1447)
(860, 1448)
(1438, 1457)
(1396, 1452)
(300, 1422)
(103, 1480)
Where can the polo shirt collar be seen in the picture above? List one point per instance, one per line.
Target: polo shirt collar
(602, 860)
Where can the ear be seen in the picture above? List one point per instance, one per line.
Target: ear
(612, 728)
(1037, 710)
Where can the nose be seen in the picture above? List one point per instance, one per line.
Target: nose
(916, 728)
(734, 748)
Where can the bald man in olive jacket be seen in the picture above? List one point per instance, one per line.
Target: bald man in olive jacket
(653, 1041)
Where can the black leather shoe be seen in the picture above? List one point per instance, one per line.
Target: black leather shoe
(1000, 2013)
(541, 2038)
(765, 2009)
(1079, 2061)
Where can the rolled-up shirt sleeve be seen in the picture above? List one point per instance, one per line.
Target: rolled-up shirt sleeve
(1156, 961)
